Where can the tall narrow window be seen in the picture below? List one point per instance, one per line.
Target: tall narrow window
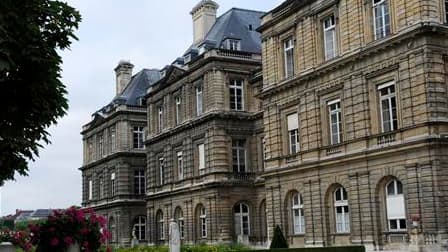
(138, 137)
(203, 222)
(160, 118)
(179, 217)
(112, 229)
(446, 11)
(201, 155)
(241, 219)
(239, 156)
(180, 165)
(160, 225)
(288, 51)
(342, 213)
(293, 133)
(113, 140)
(139, 182)
(140, 228)
(329, 37)
(112, 184)
(236, 95)
(161, 171)
(381, 18)
(199, 100)
(178, 110)
(335, 114)
(101, 186)
(101, 145)
(396, 213)
(297, 214)
(90, 149)
(232, 44)
(388, 107)
(90, 189)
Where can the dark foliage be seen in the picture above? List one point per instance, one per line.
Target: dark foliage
(32, 95)
(326, 249)
(278, 241)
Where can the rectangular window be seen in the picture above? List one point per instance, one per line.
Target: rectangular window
(139, 182)
(160, 117)
(293, 133)
(342, 219)
(90, 149)
(161, 171)
(233, 44)
(178, 108)
(180, 165)
(388, 107)
(138, 137)
(181, 223)
(236, 95)
(90, 189)
(288, 52)
(113, 141)
(112, 184)
(201, 155)
(329, 37)
(446, 11)
(239, 156)
(335, 114)
(199, 100)
(381, 18)
(101, 146)
(101, 186)
(203, 218)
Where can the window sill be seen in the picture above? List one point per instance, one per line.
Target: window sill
(341, 234)
(298, 235)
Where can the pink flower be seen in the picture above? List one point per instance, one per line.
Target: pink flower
(68, 240)
(54, 242)
(85, 244)
(85, 231)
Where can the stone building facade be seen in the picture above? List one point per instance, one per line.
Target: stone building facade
(355, 111)
(205, 134)
(114, 167)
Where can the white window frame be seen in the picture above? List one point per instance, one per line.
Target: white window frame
(161, 171)
(288, 54)
(395, 202)
(234, 87)
(381, 6)
(298, 217)
(161, 226)
(90, 189)
(243, 219)
(203, 222)
(293, 133)
(178, 100)
(140, 228)
(138, 137)
(113, 140)
(199, 100)
(101, 187)
(388, 98)
(180, 165)
(101, 145)
(239, 148)
(181, 222)
(201, 157)
(140, 180)
(160, 117)
(233, 44)
(337, 111)
(329, 27)
(342, 224)
(112, 183)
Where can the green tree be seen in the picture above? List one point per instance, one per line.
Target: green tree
(32, 96)
(278, 241)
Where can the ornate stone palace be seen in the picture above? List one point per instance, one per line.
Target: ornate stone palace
(328, 118)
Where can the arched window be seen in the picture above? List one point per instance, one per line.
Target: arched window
(342, 214)
(298, 218)
(112, 229)
(140, 228)
(202, 221)
(395, 207)
(242, 220)
(179, 217)
(160, 225)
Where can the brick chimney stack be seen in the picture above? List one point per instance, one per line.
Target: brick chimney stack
(124, 74)
(204, 16)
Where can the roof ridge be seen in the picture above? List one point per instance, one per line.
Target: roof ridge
(243, 9)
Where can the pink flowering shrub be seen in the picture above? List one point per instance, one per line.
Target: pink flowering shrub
(20, 239)
(64, 228)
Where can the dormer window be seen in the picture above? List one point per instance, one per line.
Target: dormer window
(232, 44)
(163, 73)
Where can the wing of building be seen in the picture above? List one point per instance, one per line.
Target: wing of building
(326, 118)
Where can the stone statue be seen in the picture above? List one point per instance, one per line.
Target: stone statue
(174, 236)
(134, 241)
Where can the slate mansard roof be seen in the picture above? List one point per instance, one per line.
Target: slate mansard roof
(238, 24)
(137, 87)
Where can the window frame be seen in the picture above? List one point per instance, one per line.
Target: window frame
(236, 85)
(178, 108)
(90, 189)
(139, 182)
(385, 11)
(325, 29)
(289, 54)
(338, 112)
(398, 194)
(112, 184)
(161, 171)
(138, 137)
(140, 228)
(239, 147)
(240, 216)
(199, 97)
(201, 157)
(179, 217)
(160, 123)
(389, 97)
(161, 225)
(180, 165)
(293, 133)
(203, 222)
(298, 208)
(342, 204)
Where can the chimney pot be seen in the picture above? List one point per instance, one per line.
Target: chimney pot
(124, 74)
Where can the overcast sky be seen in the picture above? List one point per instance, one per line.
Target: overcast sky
(149, 33)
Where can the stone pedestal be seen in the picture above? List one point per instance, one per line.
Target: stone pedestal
(174, 237)
(7, 247)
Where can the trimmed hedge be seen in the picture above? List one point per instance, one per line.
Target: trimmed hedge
(325, 249)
